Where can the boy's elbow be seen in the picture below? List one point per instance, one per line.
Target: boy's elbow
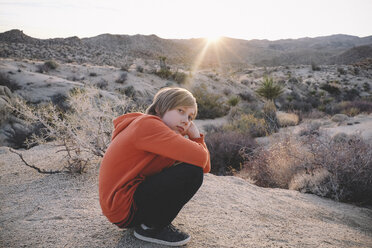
(206, 163)
(204, 159)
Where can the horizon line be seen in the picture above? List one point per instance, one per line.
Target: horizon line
(190, 38)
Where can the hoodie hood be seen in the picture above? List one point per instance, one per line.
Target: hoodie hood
(123, 121)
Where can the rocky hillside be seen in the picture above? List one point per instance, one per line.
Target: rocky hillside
(108, 49)
(304, 88)
(354, 55)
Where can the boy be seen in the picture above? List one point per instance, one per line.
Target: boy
(151, 170)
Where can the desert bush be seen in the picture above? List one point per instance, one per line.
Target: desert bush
(341, 70)
(166, 73)
(287, 119)
(139, 68)
(269, 89)
(233, 101)
(363, 106)
(315, 67)
(6, 81)
(227, 149)
(210, 105)
(83, 132)
(125, 67)
(227, 91)
(51, 65)
(313, 114)
(274, 166)
(122, 78)
(248, 124)
(351, 108)
(331, 89)
(210, 128)
(350, 95)
(235, 113)
(246, 96)
(338, 167)
(269, 112)
(47, 66)
(102, 84)
(300, 104)
(366, 87)
(311, 128)
(129, 91)
(180, 77)
(348, 166)
(351, 112)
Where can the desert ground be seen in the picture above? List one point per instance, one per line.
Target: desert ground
(62, 210)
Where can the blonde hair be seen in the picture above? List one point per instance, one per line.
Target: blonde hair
(171, 98)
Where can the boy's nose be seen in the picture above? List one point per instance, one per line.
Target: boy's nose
(185, 121)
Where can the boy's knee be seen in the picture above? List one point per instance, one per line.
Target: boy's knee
(194, 173)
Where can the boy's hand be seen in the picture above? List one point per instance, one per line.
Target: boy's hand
(193, 131)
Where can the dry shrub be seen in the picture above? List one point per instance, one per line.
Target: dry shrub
(347, 161)
(287, 119)
(248, 124)
(312, 182)
(254, 122)
(339, 168)
(274, 166)
(269, 112)
(210, 105)
(83, 132)
(122, 78)
(6, 81)
(311, 128)
(227, 149)
(313, 114)
(351, 108)
(47, 66)
(351, 112)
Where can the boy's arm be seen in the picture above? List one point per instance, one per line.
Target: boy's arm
(155, 137)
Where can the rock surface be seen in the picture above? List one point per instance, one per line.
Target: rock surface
(62, 210)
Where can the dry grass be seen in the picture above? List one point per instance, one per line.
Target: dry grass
(287, 119)
(248, 124)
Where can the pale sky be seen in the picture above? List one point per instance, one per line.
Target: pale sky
(184, 19)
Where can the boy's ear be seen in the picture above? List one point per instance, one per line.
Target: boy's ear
(157, 111)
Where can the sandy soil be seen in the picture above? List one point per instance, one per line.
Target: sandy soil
(62, 210)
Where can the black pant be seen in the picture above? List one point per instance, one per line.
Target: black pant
(160, 197)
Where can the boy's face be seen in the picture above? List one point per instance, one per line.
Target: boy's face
(179, 119)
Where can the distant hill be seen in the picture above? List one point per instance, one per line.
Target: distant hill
(118, 49)
(354, 55)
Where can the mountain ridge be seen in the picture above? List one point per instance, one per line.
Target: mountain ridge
(332, 49)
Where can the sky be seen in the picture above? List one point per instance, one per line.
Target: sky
(184, 19)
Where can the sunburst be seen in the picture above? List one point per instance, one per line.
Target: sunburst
(213, 39)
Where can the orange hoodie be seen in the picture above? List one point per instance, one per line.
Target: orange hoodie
(142, 145)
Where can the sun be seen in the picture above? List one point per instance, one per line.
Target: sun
(213, 39)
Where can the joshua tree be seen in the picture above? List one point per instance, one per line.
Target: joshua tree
(162, 59)
(269, 89)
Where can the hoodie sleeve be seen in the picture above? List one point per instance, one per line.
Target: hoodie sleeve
(155, 137)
